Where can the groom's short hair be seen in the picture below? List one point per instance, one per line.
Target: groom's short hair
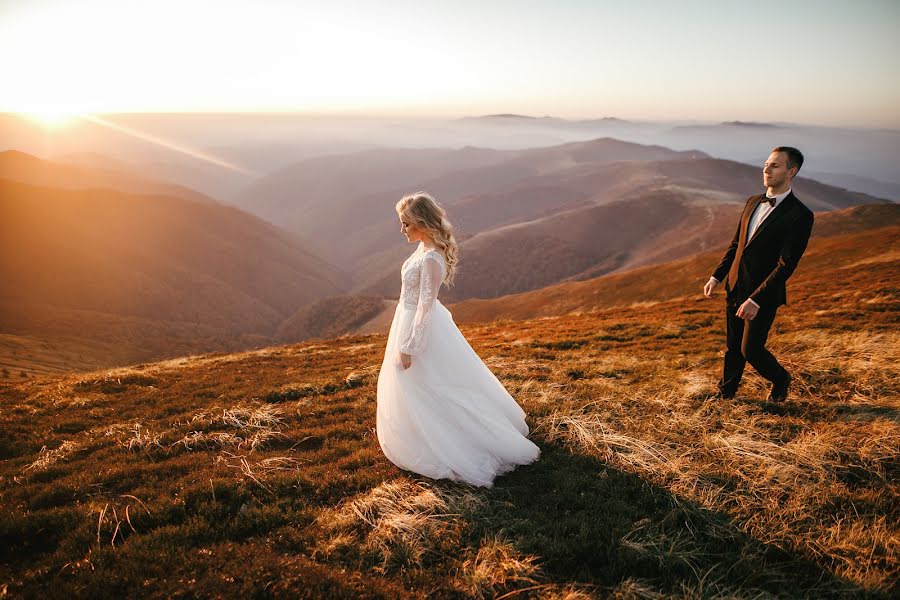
(794, 156)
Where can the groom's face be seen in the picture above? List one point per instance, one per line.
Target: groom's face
(775, 170)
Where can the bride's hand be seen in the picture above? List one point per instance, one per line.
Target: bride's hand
(405, 360)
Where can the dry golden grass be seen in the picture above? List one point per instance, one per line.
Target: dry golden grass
(47, 457)
(142, 439)
(495, 566)
(779, 474)
(398, 524)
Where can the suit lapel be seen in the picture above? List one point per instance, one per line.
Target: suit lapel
(777, 213)
(745, 221)
(752, 203)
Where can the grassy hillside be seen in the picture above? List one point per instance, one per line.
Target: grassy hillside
(258, 474)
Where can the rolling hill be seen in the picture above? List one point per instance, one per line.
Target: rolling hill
(138, 272)
(588, 220)
(82, 172)
(862, 159)
(840, 238)
(329, 317)
(324, 197)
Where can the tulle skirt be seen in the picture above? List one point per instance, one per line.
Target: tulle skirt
(447, 416)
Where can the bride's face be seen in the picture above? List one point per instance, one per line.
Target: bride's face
(412, 233)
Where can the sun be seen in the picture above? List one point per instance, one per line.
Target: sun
(52, 118)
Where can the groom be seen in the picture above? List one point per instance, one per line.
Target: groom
(770, 239)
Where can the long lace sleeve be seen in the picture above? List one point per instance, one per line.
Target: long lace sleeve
(429, 283)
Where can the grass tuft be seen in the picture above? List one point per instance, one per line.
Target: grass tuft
(47, 457)
(495, 566)
(397, 525)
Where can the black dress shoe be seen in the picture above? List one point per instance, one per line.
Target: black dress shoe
(779, 391)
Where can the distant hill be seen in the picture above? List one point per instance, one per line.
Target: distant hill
(508, 119)
(87, 171)
(862, 153)
(750, 124)
(874, 187)
(590, 219)
(145, 141)
(145, 273)
(329, 317)
(324, 197)
(840, 238)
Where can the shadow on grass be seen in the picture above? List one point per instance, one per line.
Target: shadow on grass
(866, 412)
(813, 411)
(599, 526)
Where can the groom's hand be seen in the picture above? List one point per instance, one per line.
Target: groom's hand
(710, 286)
(405, 360)
(747, 310)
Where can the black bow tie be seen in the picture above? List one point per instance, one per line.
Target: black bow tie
(771, 201)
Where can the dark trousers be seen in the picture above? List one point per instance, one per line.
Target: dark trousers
(746, 342)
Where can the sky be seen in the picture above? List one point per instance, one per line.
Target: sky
(804, 61)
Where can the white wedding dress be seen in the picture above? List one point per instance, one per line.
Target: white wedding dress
(447, 416)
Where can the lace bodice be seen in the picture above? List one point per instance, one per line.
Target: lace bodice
(429, 263)
(421, 274)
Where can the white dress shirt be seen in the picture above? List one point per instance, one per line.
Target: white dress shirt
(763, 210)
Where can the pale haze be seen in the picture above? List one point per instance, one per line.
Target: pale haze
(823, 62)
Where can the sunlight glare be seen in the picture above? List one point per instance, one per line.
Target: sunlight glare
(52, 118)
(193, 152)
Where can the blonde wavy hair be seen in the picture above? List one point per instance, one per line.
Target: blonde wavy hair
(423, 211)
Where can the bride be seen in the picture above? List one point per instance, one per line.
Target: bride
(441, 412)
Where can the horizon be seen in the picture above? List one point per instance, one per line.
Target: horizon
(52, 121)
(652, 61)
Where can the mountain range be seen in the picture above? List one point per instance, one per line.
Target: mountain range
(107, 265)
(526, 218)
